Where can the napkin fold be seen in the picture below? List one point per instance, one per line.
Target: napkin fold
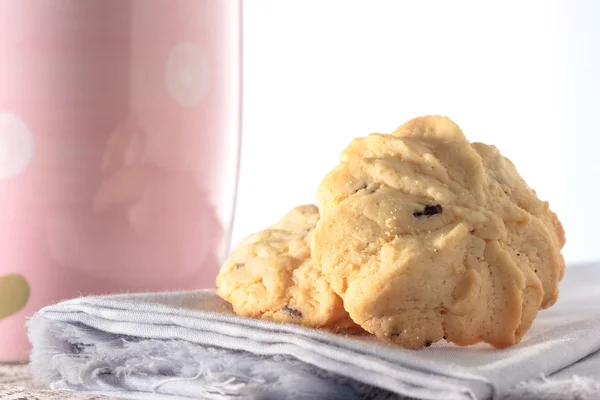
(191, 345)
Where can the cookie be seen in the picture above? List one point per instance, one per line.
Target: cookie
(426, 236)
(271, 276)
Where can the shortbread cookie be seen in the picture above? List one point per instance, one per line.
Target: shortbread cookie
(426, 236)
(271, 276)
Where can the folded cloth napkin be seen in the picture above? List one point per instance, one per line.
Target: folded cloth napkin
(190, 345)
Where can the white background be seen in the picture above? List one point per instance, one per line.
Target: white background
(519, 74)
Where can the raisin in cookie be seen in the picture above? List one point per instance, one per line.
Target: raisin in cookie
(271, 275)
(426, 236)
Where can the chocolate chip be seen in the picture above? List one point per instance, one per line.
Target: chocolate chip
(444, 337)
(535, 270)
(238, 266)
(292, 311)
(428, 211)
(428, 343)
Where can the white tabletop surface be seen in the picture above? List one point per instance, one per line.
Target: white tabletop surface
(16, 384)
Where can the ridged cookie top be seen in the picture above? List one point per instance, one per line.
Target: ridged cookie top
(425, 235)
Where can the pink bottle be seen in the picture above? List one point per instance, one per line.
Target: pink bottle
(119, 140)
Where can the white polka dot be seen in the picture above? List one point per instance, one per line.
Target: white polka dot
(16, 145)
(187, 75)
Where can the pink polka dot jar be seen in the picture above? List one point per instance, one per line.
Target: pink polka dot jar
(119, 149)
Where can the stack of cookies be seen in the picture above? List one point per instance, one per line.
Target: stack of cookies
(418, 236)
